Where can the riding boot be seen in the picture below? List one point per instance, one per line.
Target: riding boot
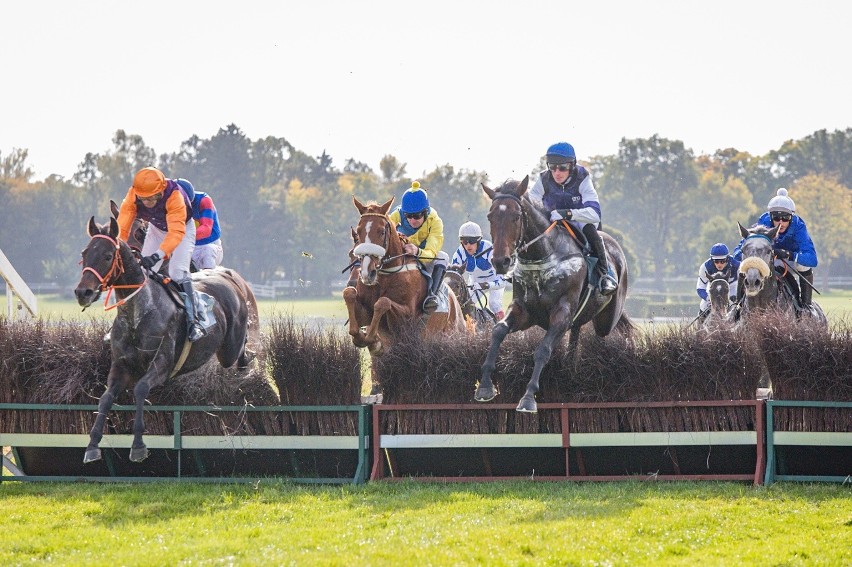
(430, 304)
(608, 281)
(194, 331)
(807, 291)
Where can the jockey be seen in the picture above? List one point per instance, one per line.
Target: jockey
(171, 232)
(474, 254)
(418, 221)
(793, 245)
(719, 261)
(565, 190)
(208, 251)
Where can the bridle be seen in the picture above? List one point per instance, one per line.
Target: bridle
(520, 246)
(384, 260)
(115, 271)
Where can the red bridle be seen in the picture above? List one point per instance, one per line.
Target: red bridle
(116, 270)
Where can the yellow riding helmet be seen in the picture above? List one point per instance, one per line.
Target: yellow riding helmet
(148, 182)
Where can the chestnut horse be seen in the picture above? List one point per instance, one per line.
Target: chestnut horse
(148, 336)
(549, 284)
(390, 289)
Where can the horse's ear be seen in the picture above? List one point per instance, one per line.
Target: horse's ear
(354, 234)
(771, 233)
(113, 207)
(743, 230)
(386, 207)
(113, 228)
(488, 191)
(522, 188)
(93, 228)
(358, 205)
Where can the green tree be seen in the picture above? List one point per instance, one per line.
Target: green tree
(826, 206)
(646, 191)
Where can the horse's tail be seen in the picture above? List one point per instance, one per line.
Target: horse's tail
(627, 327)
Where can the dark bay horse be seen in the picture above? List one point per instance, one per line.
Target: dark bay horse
(764, 288)
(389, 289)
(548, 284)
(148, 336)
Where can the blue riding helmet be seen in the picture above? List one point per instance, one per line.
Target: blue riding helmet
(187, 188)
(719, 251)
(561, 152)
(414, 200)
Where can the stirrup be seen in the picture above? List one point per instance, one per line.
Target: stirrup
(195, 332)
(608, 285)
(430, 304)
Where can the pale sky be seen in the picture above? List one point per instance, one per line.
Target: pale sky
(481, 85)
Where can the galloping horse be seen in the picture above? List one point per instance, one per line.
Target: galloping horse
(390, 289)
(763, 287)
(148, 336)
(549, 284)
(718, 292)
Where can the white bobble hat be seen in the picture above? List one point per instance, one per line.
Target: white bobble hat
(781, 202)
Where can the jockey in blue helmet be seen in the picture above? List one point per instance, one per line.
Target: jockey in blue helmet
(719, 261)
(565, 190)
(417, 220)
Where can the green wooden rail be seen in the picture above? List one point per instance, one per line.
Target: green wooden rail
(776, 439)
(181, 443)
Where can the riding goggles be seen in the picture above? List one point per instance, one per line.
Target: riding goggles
(560, 167)
(784, 217)
(469, 239)
(418, 215)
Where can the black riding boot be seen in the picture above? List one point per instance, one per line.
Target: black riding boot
(608, 282)
(806, 291)
(430, 304)
(194, 331)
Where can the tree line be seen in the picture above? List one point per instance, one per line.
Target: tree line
(286, 215)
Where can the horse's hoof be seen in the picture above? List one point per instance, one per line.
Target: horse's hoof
(138, 454)
(527, 405)
(486, 394)
(92, 455)
(246, 359)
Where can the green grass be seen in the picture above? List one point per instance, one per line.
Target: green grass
(504, 523)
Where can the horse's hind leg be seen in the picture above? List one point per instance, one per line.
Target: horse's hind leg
(115, 381)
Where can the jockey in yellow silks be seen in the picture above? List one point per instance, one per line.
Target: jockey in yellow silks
(415, 219)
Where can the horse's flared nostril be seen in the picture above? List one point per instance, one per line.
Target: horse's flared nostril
(84, 295)
(502, 264)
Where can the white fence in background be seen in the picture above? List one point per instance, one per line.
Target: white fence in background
(15, 287)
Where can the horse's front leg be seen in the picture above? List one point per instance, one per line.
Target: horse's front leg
(356, 314)
(560, 320)
(516, 318)
(115, 382)
(156, 375)
(383, 307)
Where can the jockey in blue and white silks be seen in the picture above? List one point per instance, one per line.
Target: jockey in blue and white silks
(719, 261)
(474, 253)
(565, 190)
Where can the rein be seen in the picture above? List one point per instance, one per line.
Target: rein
(383, 261)
(116, 270)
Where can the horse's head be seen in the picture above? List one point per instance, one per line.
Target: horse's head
(376, 239)
(758, 257)
(718, 290)
(102, 262)
(506, 217)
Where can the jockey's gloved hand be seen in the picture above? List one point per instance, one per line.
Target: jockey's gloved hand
(149, 261)
(783, 254)
(732, 299)
(560, 214)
